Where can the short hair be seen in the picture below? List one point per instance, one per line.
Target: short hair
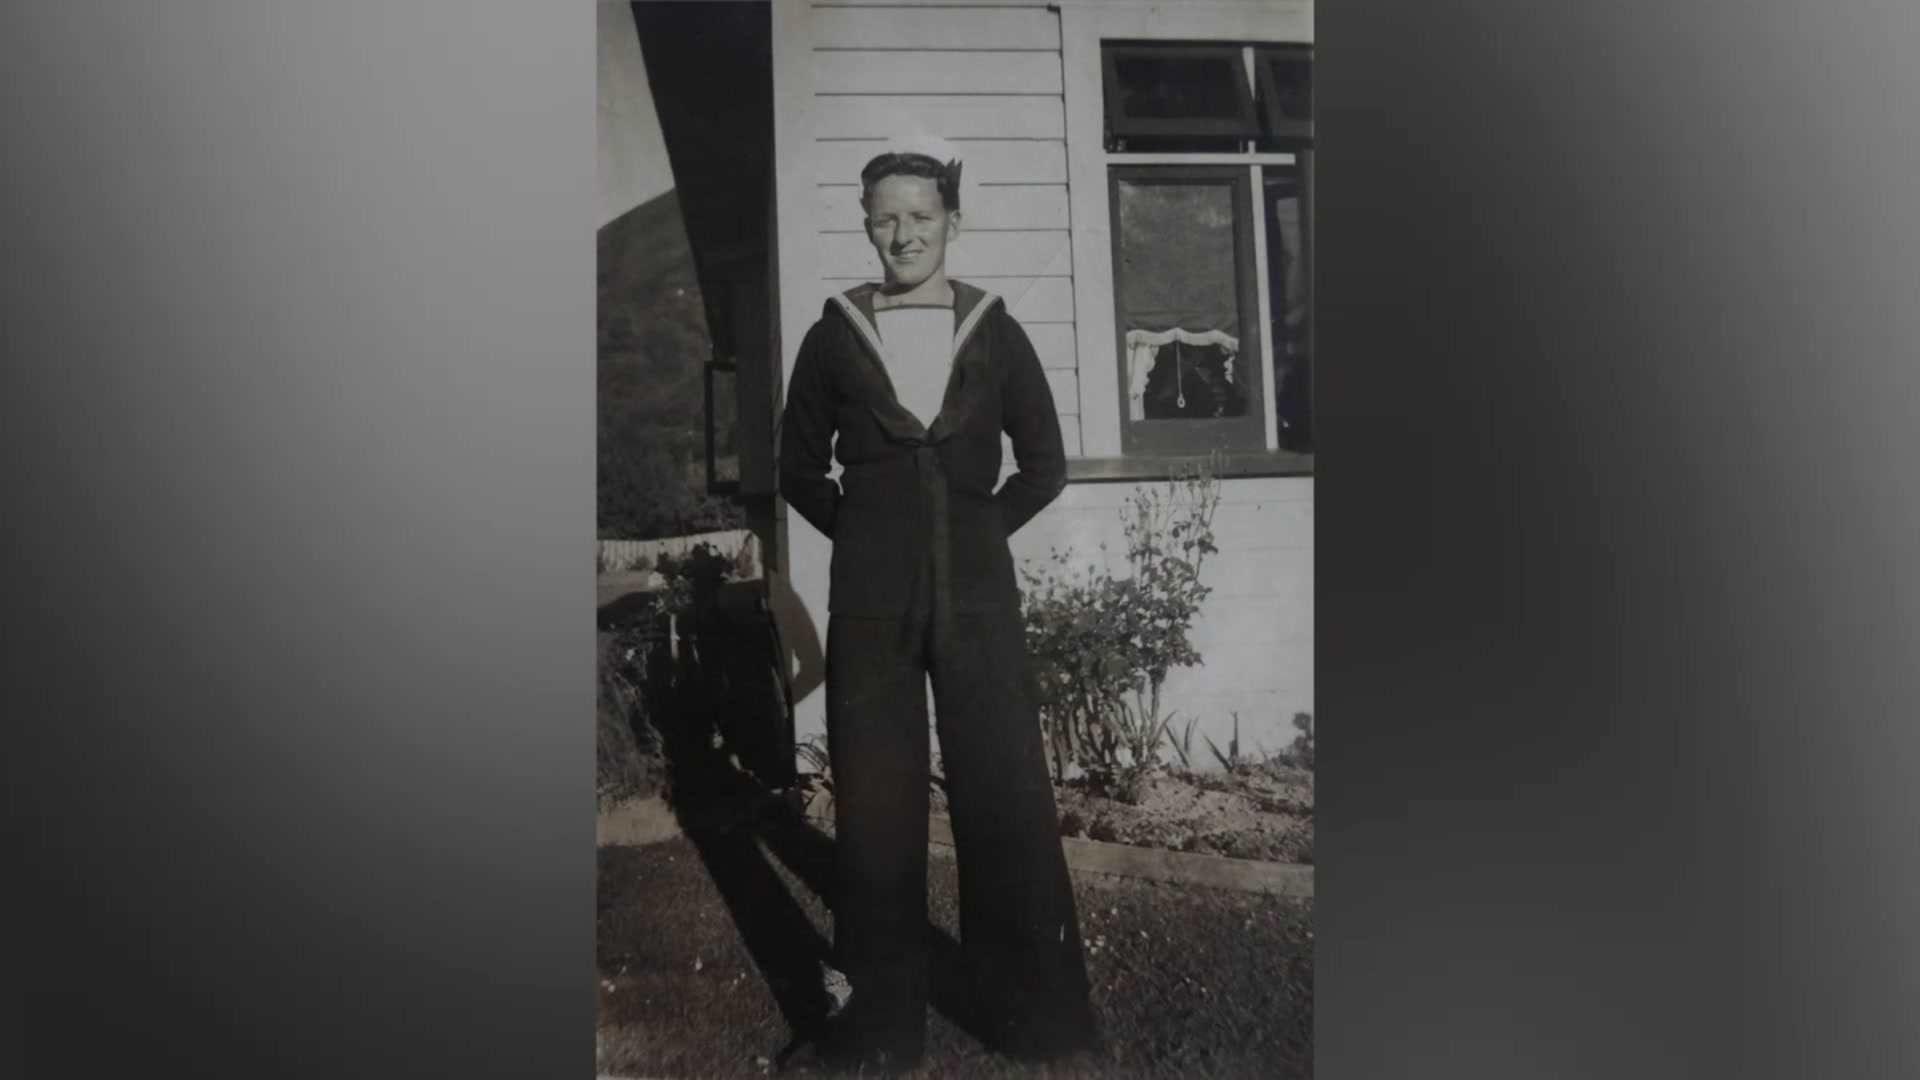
(946, 177)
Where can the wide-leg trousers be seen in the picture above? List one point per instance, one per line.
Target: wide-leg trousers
(1019, 930)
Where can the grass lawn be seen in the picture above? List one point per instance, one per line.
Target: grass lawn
(708, 943)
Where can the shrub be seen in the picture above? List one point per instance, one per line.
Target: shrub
(1102, 645)
(686, 578)
(629, 758)
(631, 739)
(1301, 752)
(652, 485)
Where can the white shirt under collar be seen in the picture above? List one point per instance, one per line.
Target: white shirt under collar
(917, 342)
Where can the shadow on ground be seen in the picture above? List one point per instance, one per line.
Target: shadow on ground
(720, 716)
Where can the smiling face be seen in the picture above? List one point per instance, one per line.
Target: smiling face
(909, 226)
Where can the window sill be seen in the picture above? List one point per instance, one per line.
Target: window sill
(1239, 463)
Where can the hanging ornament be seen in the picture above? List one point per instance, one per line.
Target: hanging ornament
(1179, 384)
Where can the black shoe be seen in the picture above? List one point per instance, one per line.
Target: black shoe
(848, 1044)
(1050, 1043)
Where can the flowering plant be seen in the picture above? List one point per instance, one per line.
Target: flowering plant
(1102, 644)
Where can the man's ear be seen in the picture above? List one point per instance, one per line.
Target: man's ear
(953, 224)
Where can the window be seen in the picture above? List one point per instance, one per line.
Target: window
(722, 427)
(1209, 170)
(1183, 270)
(1178, 90)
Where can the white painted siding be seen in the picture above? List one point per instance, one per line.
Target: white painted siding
(1054, 343)
(934, 71)
(973, 116)
(951, 28)
(925, 4)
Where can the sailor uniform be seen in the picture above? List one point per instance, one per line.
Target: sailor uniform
(922, 587)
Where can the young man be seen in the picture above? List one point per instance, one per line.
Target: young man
(918, 377)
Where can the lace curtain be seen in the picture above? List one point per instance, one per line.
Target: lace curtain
(1178, 282)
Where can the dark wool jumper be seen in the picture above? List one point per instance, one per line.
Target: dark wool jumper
(918, 501)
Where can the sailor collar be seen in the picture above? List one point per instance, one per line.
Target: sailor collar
(970, 307)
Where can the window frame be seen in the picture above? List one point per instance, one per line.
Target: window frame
(1119, 123)
(716, 486)
(1303, 162)
(1190, 436)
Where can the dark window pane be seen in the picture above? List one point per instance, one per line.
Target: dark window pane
(1178, 90)
(1179, 303)
(1293, 86)
(1286, 92)
(1290, 301)
(1174, 87)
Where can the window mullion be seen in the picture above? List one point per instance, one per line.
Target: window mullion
(1285, 157)
(1264, 300)
(1253, 83)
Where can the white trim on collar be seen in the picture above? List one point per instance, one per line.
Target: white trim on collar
(860, 323)
(960, 334)
(967, 325)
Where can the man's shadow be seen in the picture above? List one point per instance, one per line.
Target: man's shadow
(711, 697)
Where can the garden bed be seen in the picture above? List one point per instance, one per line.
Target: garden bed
(1262, 812)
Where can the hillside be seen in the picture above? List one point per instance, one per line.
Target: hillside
(653, 348)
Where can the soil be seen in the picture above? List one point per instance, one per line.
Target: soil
(1261, 812)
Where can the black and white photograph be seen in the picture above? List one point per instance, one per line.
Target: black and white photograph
(1007, 431)
(955, 561)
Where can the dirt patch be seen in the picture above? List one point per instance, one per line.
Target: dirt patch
(1264, 813)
